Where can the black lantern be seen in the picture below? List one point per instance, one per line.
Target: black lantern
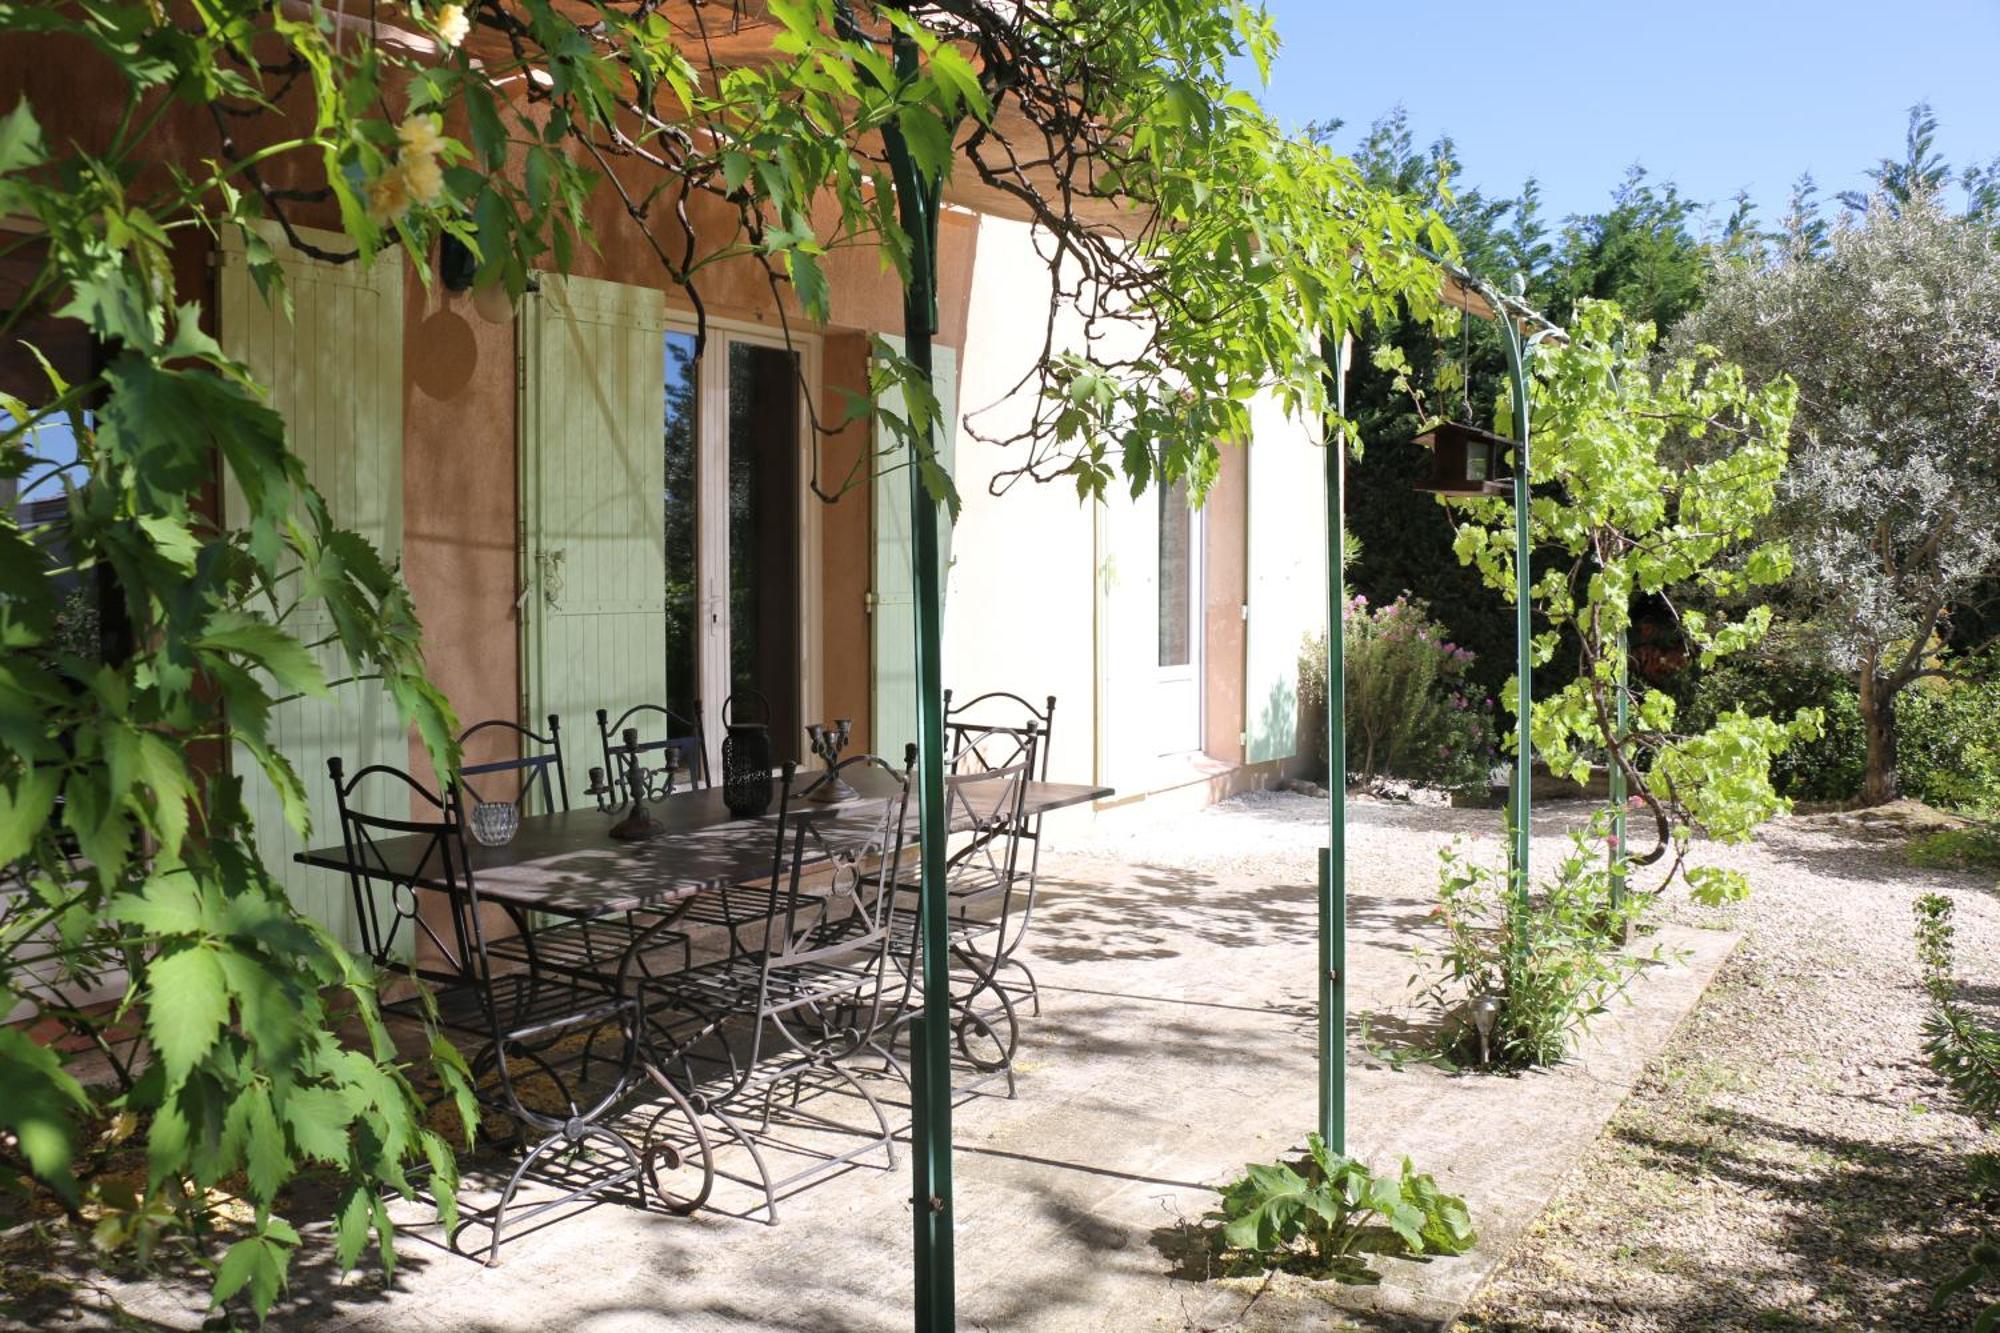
(1465, 460)
(746, 755)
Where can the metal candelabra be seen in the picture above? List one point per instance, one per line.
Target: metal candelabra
(827, 743)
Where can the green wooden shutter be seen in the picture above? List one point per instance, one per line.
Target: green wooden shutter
(1286, 576)
(335, 372)
(894, 626)
(593, 424)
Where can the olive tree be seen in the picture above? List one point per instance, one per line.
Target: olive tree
(1892, 505)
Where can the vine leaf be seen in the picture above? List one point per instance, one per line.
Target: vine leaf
(39, 1102)
(187, 1004)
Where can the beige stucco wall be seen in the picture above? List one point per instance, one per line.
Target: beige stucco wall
(1050, 595)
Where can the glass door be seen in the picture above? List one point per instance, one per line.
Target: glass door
(735, 532)
(1178, 684)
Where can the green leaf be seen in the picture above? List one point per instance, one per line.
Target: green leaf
(350, 1228)
(20, 139)
(929, 140)
(810, 280)
(187, 1003)
(169, 904)
(268, 1163)
(42, 1106)
(259, 1262)
(24, 811)
(318, 1118)
(172, 538)
(290, 663)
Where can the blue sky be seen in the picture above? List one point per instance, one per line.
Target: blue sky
(1715, 96)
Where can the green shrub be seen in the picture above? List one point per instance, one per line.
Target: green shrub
(1965, 1053)
(1948, 744)
(1413, 711)
(1316, 1212)
(1552, 964)
(1826, 769)
(1974, 848)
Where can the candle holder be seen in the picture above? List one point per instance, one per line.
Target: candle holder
(601, 791)
(638, 823)
(827, 743)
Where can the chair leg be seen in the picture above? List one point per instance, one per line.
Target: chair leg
(674, 1159)
(757, 1158)
(636, 1173)
(881, 1118)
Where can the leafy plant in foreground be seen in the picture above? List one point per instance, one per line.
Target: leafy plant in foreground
(241, 1046)
(1550, 963)
(1965, 1053)
(1321, 1211)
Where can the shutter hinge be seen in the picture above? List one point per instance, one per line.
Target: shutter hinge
(1243, 739)
(1244, 611)
(869, 601)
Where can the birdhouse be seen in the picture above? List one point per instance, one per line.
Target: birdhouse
(1465, 460)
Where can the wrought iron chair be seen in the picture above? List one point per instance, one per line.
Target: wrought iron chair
(534, 767)
(769, 1032)
(983, 878)
(528, 1021)
(393, 940)
(682, 746)
(591, 947)
(973, 746)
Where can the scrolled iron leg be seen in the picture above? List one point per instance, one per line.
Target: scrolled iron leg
(656, 1150)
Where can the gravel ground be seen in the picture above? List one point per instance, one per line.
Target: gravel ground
(1789, 1161)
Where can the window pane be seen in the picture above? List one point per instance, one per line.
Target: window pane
(764, 535)
(1176, 537)
(683, 567)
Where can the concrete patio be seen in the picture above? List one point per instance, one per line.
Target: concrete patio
(1175, 952)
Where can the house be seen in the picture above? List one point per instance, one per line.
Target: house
(589, 516)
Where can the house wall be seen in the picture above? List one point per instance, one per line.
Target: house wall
(1029, 594)
(1225, 559)
(1047, 594)
(460, 506)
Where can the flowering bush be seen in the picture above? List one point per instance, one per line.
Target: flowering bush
(1412, 710)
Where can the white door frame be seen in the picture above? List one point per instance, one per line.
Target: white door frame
(1179, 688)
(712, 538)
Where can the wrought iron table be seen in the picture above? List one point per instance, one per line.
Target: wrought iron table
(565, 865)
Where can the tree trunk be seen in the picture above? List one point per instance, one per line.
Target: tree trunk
(1878, 723)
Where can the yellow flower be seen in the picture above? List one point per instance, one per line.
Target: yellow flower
(424, 178)
(388, 196)
(452, 25)
(420, 136)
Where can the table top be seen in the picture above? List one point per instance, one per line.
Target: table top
(568, 863)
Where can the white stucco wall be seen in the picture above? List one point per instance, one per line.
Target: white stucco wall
(1046, 594)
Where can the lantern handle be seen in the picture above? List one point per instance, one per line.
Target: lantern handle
(730, 708)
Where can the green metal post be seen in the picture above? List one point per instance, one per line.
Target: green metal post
(1333, 859)
(930, 1089)
(1524, 753)
(1618, 787)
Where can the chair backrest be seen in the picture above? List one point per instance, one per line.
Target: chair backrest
(430, 853)
(533, 767)
(844, 848)
(677, 744)
(973, 745)
(985, 808)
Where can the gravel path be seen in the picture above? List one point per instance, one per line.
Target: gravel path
(1789, 1161)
